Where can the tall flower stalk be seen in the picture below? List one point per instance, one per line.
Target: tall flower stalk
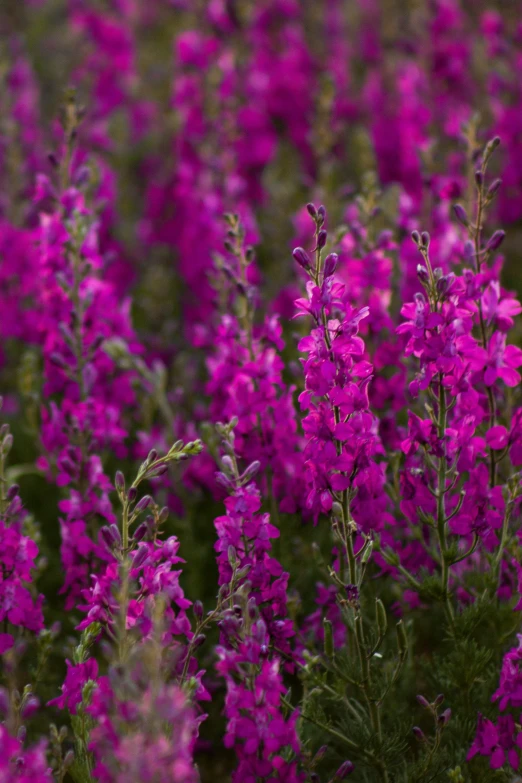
(341, 457)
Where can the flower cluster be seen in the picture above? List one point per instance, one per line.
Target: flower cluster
(501, 741)
(255, 631)
(20, 607)
(246, 381)
(20, 765)
(256, 726)
(77, 310)
(342, 436)
(129, 741)
(141, 578)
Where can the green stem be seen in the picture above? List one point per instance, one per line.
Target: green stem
(497, 563)
(441, 506)
(477, 232)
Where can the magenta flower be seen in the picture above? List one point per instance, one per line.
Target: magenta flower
(497, 741)
(502, 361)
(77, 676)
(18, 606)
(20, 765)
(150, 739)
(498, 309)
(509, 691)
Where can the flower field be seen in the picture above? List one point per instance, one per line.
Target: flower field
(261, 400)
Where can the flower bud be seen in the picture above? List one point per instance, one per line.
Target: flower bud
(7, 443)
(232, 556)
(330, 264)
(495, 240)
(162, 468)
(112, 534)
(438, 701)
(131, 494)
(62, 734)
(321, 753)
(321, 215)
(140, 556)
(445, 283)
(460, 214)
(423, 702)
(259, 631)
(251, 471)
(140, 532)
(367, 553)
(311, 210)
(468, 252)
(106, 537)
(416, 237)
(31, 706)
(422, 274)
(479, 177)
(12, 492)
(444, 717)
(163, 515)
(14, 507)
(152, 456)
(384, 239)
(197, 608)
(493, 188)
(199, 640)
(243, 572)
(491, 146)
(144, 503)
(223, 480)
(224, 592)
(228, 464)
(425, 239)
(303, 259)
(344, 770)
(419, 734)
(337, 509)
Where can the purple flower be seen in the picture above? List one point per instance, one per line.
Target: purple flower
(502, 361)
(77, 676)
(497, 741)
(20, 765)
